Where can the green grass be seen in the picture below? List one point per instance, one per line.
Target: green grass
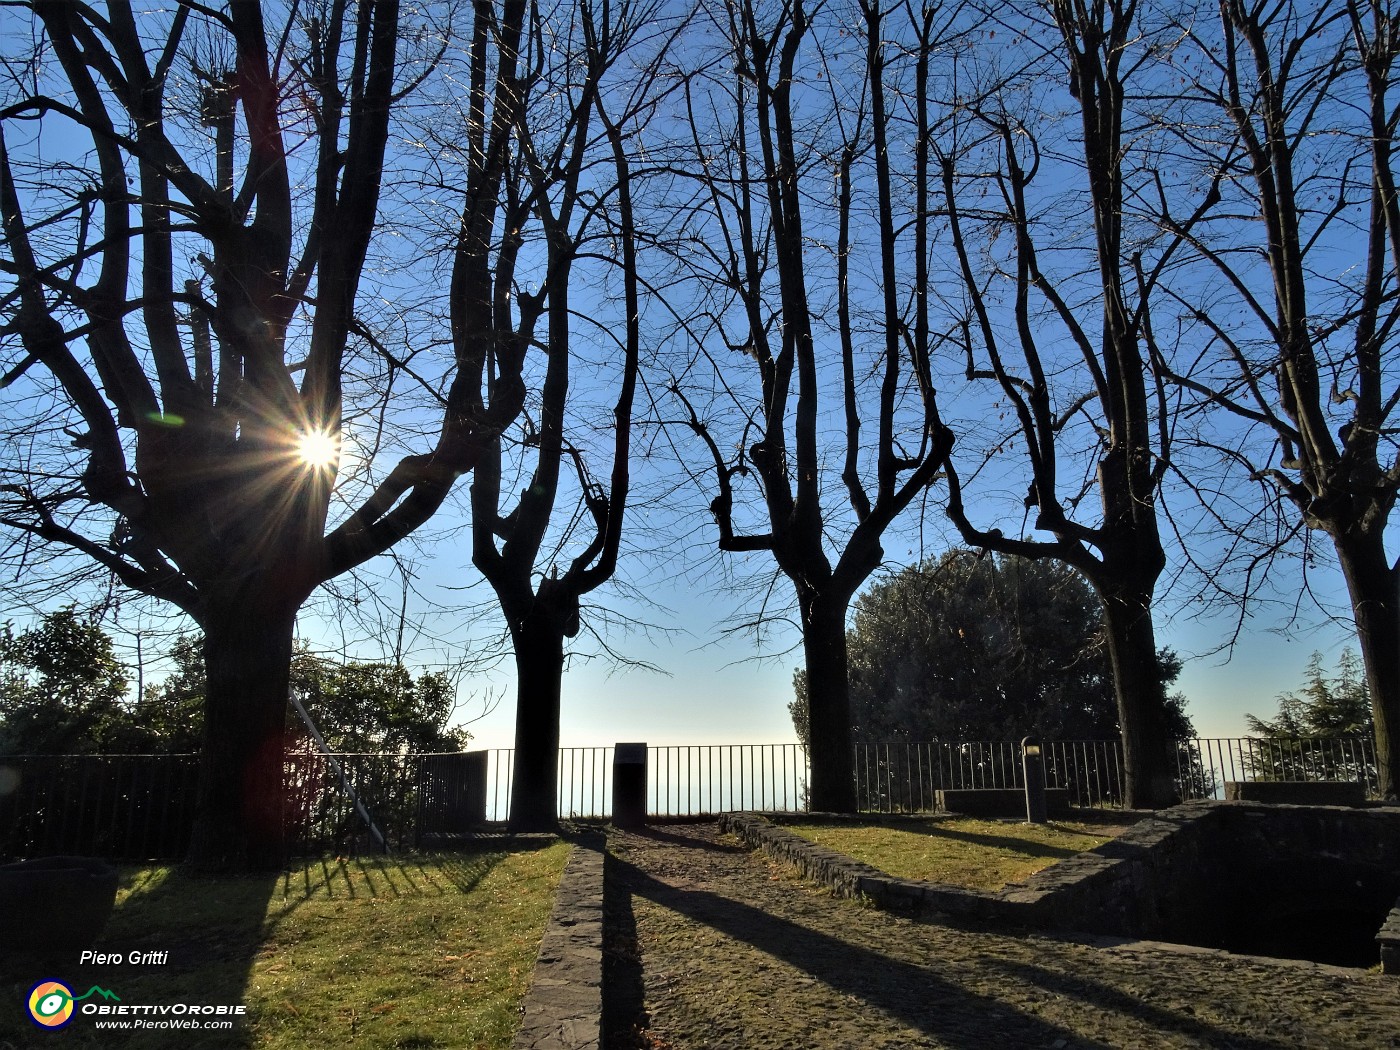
(403, 951)
(974, 854)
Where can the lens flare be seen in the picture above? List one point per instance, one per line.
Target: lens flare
(318, 450)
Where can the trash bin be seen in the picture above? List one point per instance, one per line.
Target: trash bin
(629, 796)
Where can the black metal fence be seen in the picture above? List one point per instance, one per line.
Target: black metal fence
(120, 806)
(905, 778)
(321, 817)
(142, 806)
(133, 807)
(1219, 760)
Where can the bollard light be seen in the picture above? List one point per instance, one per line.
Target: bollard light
(1033, 769)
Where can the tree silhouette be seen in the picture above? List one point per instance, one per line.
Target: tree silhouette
(803, 252)
(1290, 316)
(1059, 288)
(548, 470)
(187, 310)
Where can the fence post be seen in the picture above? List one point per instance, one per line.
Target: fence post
(629, 801)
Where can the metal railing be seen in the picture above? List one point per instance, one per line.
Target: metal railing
(320, 817)
(140, 806)
(120, 806)
(905, 778)
(682, 780)
(1214, 761)
(690, 780)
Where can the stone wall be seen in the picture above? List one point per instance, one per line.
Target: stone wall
(1297, 792)
(563, 1008)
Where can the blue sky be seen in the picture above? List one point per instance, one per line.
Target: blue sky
(717, 685)
(721, 685)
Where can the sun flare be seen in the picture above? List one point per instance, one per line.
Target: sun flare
(318, 450)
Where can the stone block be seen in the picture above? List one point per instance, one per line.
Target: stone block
(1000, 803)
(1297, 792)
(1389, 941)
(55, 902)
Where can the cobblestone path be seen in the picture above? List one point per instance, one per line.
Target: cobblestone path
(711, 946)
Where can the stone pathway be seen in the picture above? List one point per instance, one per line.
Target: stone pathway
(711, 946)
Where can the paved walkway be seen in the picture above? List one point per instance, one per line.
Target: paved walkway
(712, 946)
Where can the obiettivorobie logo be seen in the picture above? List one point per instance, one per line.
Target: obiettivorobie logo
(53, 1005)
(51, 1002)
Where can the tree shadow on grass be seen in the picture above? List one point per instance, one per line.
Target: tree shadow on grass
(917, 997)
(214, 930)
(1025, 847)
(210, 928)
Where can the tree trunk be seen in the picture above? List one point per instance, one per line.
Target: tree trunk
(829, 707)
(1149, 770)
(539, 672)
(238, 812)
(1374, 588)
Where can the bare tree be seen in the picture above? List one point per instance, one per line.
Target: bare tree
(1060, 323)
(592, 230)
(1291, 312)
(182, 312)
(804, 251)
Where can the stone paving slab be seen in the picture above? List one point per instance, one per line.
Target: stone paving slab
(564, 1005)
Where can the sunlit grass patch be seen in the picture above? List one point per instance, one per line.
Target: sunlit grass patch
(437, 953)
(402, 951)
(974, 854)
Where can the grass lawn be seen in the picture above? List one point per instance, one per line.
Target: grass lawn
(402, 951)
(975, 854)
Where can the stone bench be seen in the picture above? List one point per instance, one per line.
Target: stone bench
(1297, 792)
(1000, 803)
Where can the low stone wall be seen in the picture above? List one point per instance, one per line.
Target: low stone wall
(1000, 803)
(1297, 792)
(1389, 941)
(564, 1007)
(1142, 883)
(850, 878)
(1115, 889)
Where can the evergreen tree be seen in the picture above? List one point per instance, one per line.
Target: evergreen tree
(982, 648)
(1321, 731)
(1325, 707)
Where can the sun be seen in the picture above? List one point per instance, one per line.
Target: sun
(318, 450)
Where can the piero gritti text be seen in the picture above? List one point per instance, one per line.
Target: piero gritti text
(133, 958)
